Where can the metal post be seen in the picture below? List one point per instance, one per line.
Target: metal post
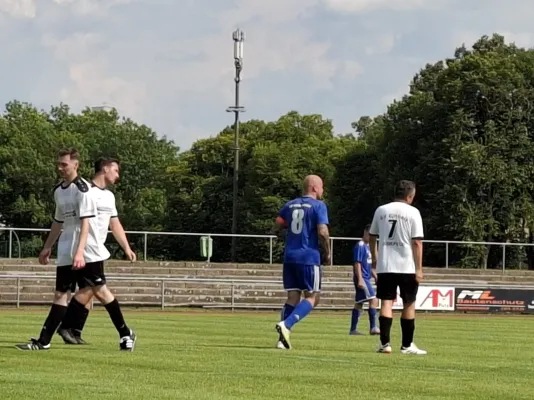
(446, 254)
(331, 252)
(209, 255)
(270, 250)
(239, 37)
(18, 292)
(163, 295)
(10, 243)
(145, 246)
(503, 257)
(233, 295)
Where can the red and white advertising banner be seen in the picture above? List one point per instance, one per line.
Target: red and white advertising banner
(431, 298)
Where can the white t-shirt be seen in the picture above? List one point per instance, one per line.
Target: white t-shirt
(396, 224)
(105, 204)
(75, 202)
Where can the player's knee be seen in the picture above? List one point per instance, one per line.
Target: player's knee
(312, 297)
(83, 296)
(373, 303)
(60, 298)
(293, 297)
(358, 306)
(386, 308)
(103, 294)
(409, 309)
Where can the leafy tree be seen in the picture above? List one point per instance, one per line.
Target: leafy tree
(30, 140)
(274, 156)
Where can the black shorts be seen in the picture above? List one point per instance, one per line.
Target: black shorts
(91, 275)
(65, 279)
(387, 283)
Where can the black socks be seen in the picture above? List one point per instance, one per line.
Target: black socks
(55, 316)
(115, 314)
(74, 312)
(408, 329)
(385, 329)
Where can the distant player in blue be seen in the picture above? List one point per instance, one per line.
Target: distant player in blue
(307, 245)
(365, 292)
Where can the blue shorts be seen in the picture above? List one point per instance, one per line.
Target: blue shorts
(365, 294)
(302, 277)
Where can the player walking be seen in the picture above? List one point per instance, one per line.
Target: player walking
(365, 292)
(307, 244)
(91, 279)
(74, 210)
(399, 263)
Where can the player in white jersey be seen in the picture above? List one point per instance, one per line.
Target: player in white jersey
(399, 263)
(74, 214)
(91, 279)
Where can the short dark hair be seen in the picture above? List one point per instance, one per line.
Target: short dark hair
(104, 162)
(73, 153)
(367, 228)
(403, 189)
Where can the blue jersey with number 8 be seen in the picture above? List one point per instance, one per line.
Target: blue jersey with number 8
(302, 215)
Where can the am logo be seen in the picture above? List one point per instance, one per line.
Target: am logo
(435, 298)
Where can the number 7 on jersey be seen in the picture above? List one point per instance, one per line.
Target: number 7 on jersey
(393, 223)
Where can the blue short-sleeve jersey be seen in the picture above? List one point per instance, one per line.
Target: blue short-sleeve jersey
(302, 215)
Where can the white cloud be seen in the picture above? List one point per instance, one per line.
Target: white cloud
(91, 86)
(521, 39)
(352, 69)
(88, 7)
(168, 63)
(383, 44)
(18, 8)
(73, 48)
(359, 6)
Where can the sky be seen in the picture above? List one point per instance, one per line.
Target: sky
(169, 63)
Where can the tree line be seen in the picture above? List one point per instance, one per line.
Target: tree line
(463, 133)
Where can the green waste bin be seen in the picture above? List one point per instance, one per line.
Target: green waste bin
(206, 247)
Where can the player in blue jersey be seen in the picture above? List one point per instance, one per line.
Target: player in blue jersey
(365, 291)
(307, 245)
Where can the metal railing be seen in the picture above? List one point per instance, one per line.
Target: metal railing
(233, 283)
(13, 236)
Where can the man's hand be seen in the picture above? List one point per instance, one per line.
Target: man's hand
(419, 276)
(44, 256)
(130, 255)
(79, 261)
(361, 284)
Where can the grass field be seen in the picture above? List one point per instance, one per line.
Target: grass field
(200, 355)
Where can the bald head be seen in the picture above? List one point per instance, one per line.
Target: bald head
(313, 186)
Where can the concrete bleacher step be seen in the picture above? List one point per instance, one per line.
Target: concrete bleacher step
(272, 275)
(137, 292)
(151, 266)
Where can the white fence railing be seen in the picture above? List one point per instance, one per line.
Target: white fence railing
(234, 285)
(12, 237)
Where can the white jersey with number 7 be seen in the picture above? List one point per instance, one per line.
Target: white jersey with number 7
(396, 224)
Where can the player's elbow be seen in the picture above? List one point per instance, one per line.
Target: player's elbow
(323, 232)
(417, 243)
(115, 225)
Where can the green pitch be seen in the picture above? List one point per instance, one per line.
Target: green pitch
(200, 355)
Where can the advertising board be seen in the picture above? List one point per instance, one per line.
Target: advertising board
(494, 300)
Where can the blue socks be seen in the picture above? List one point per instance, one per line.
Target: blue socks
(287, 309)
(356, 317)
(372, 318)
(354, 320)
(300, 312)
